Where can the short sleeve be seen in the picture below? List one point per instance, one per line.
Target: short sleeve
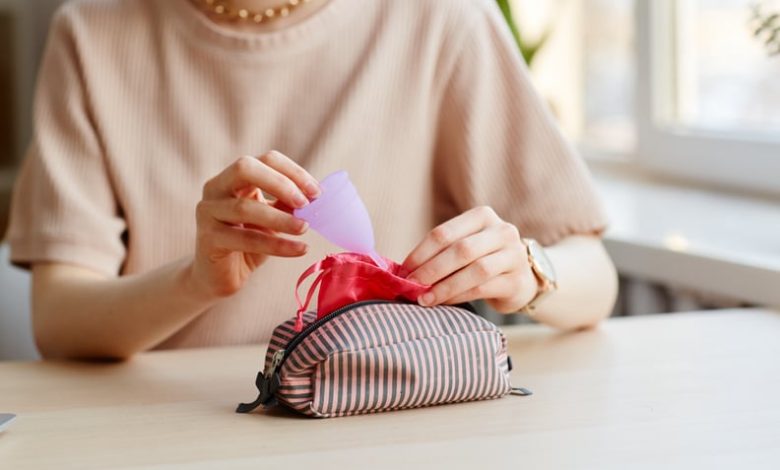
(63, 206)
(498, 145)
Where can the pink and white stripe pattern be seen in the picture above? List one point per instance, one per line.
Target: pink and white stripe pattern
(390, 356)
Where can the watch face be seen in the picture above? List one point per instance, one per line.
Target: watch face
(542, 261)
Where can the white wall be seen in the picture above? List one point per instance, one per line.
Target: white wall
(16, 339)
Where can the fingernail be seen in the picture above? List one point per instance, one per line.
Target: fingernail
(426, 299)
(313, 190)
(303, 227)
(300, 200)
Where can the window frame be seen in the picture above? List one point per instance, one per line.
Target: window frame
(738, 160)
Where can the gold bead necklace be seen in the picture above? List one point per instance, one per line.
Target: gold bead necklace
(221, 9)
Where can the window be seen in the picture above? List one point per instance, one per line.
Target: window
(725, 79)
(708, 93)
(609, 62)
(683, 87)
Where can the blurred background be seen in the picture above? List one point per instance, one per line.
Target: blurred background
(675, 104)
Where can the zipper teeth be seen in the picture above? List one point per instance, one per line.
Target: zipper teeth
(290, 347)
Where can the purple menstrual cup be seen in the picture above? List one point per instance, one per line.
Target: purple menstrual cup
(340, 216)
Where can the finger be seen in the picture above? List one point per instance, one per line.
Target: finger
(254, 242)
(282, 207)
(249, 171)
(444, 235)
(472, 276)
(251, 213)
(502, 286)
(286, 166)
(253, 193)
(250, 192)
(461, 253)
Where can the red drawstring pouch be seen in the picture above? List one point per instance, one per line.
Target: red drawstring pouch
(346, 278)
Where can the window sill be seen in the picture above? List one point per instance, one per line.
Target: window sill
(694, 237)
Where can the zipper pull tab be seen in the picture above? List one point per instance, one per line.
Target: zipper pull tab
(267, 383)
(260, 383)
(520, 391)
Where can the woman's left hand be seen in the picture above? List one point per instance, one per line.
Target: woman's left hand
(475, 255)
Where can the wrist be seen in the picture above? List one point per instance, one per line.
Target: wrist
(191, 287)
(525, 292)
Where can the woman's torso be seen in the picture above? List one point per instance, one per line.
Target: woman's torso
(176, 99)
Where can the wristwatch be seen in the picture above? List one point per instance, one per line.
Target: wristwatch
(544, 272)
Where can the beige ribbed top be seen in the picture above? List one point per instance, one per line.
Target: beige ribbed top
(426, 103)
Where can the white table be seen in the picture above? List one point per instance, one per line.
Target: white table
(698, 390)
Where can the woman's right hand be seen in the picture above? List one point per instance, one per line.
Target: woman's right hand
(237, 228)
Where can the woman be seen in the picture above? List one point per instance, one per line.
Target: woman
(129, 203)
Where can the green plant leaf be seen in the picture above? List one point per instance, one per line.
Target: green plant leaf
(528, 49)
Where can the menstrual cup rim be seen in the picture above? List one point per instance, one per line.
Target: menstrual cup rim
(313, 209)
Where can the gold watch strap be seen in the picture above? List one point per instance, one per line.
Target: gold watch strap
(544, 286)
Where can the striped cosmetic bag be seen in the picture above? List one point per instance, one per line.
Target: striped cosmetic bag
(376, 356)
